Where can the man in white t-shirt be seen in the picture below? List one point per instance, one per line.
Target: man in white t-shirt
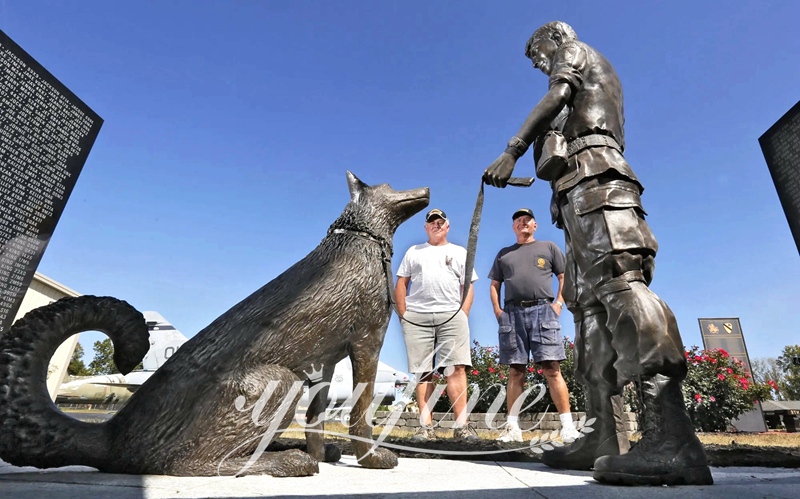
(432, 302)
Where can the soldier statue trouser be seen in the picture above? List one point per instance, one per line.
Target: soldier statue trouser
(623, 332)
(623, 329)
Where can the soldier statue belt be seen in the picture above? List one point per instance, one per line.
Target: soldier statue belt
(581, 143)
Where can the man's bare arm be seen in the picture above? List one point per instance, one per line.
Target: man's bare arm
(400, 292)
(468, 300)
(494, 295)
(559, 298)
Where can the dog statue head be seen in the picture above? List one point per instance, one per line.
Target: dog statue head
(379, 209)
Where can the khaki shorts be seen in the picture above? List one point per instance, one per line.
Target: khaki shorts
(432, 348)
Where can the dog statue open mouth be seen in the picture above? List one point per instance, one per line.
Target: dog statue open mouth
(204, 412)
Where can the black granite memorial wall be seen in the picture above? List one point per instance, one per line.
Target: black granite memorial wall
(781, 148)
(46, 133)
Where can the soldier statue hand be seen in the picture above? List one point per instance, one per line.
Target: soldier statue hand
(500, 171)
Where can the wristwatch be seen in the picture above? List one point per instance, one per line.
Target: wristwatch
(518, 143)
(516, 147)
(560, 304)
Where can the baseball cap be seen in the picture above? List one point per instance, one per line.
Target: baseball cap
(522, 211)
(434, 214)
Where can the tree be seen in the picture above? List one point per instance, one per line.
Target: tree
(103, 362)
(791, 385)
(766, 371)
(76, 366)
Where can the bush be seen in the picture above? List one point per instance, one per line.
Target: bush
(718, 389)
(490, 377)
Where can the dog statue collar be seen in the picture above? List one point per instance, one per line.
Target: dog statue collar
(361, 234)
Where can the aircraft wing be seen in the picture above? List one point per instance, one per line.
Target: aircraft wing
(130, 386)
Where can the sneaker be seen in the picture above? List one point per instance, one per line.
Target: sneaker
(424, 434)
(510, 434)
(466, 434)
(569, 434)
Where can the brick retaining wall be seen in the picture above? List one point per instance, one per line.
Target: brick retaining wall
(546, 421)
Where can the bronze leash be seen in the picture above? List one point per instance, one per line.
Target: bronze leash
(472, 246)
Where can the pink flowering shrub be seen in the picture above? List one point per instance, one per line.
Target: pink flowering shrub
(718, 389)
(489, 377)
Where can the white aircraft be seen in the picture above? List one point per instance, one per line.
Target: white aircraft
(389, 385)
(165, 341)
(116, 388)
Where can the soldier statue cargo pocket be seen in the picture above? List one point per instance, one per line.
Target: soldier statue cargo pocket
(622, 215)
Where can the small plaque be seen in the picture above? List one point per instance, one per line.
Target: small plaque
(727, 335)
(781, 148)
(46, 133)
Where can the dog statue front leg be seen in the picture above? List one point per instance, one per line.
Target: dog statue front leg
(368, 453)
(315, 420)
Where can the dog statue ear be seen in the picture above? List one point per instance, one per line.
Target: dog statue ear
(355, 185)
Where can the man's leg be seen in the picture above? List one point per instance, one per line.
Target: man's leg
(457, 392)
(514, 352)
(425, 389)
(514, 401)
(649, 350)
(560, 395)
(424, 392)
(516, 384)
(419, 342)
(454, 355)
(547, 349)
(556, 384)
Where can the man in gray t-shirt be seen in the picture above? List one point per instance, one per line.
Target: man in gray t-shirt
(528, 320)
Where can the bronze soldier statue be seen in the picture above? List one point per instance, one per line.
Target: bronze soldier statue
(623, 331)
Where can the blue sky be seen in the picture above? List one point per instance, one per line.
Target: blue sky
(229, 127)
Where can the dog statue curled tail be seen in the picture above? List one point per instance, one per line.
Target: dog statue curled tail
(205, 411)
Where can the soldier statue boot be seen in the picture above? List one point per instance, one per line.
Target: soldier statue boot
(669, 452)
(609, 437)
(594, 369)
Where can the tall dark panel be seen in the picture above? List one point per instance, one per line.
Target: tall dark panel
(46, 133)
(727, 335)
(781, 148)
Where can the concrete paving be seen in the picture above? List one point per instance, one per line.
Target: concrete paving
(438, 478)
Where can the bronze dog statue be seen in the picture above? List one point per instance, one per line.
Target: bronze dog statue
(204, 411)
